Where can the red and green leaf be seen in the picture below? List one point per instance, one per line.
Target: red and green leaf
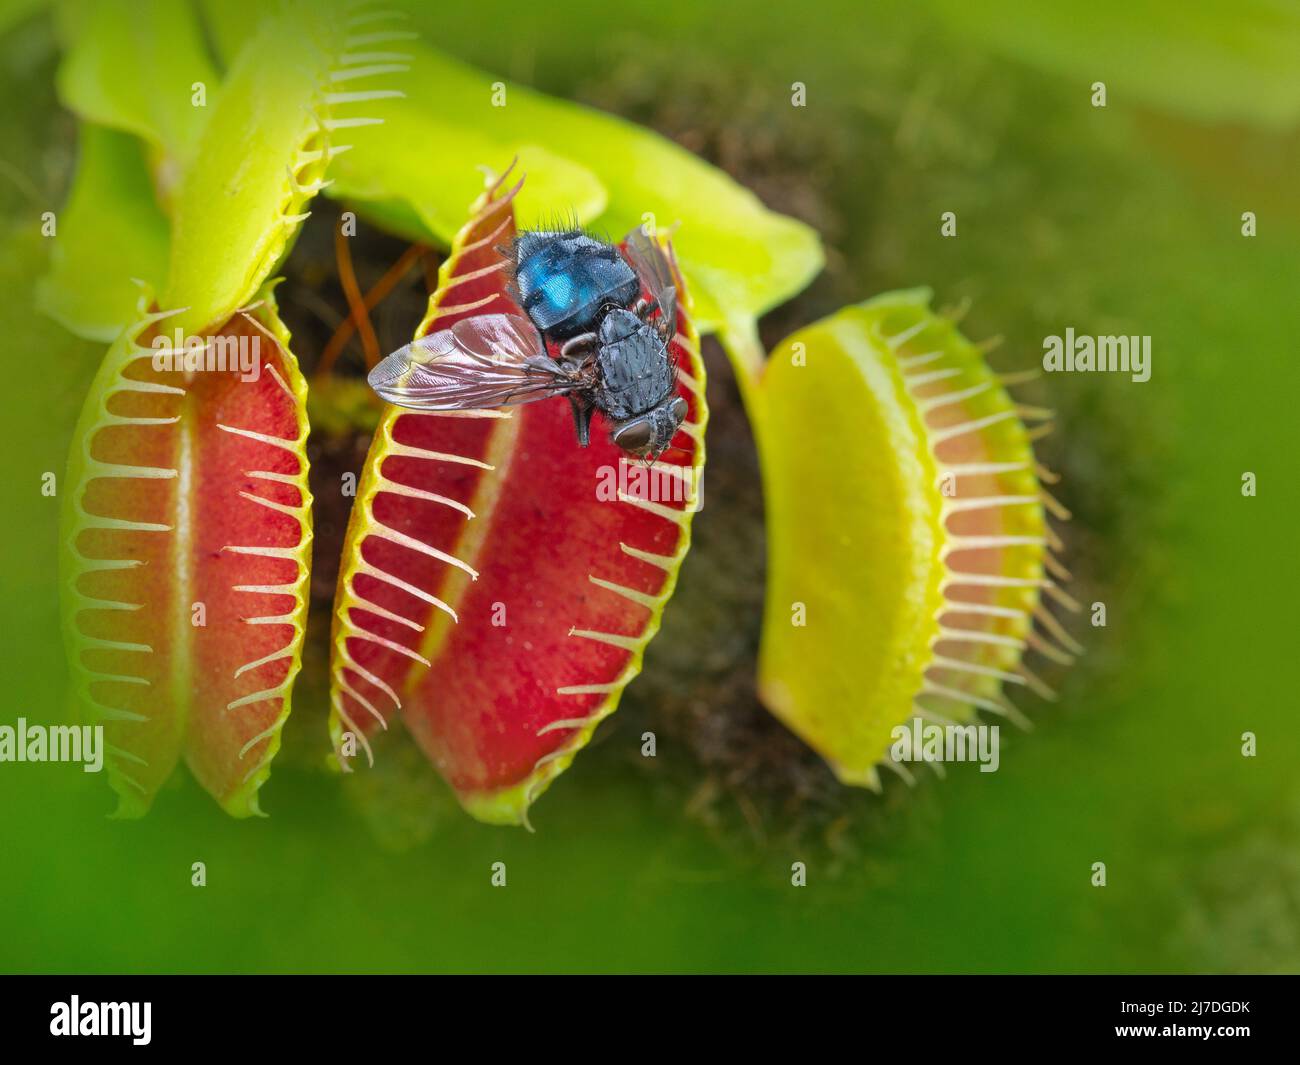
(487, 590)
(186, 545)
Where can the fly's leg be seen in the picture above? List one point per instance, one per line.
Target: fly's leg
(576, 348)
(582, 412)
(578, 354)
(644, 309)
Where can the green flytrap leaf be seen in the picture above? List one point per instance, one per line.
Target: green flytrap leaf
(273, 128)
(129, 71)
(139, 66)
(110, 235)
(400, 195)
(907, 544)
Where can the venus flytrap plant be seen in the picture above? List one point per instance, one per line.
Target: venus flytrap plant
(187, 526)
(489, 594)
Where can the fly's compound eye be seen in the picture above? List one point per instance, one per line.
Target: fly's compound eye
(634, 436)
(680, 410)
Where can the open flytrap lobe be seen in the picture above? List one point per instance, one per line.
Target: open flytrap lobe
(490, 591)
(911, 559)
(187, 538)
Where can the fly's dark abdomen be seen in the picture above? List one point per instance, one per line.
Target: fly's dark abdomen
(635, 375)
(565, 279)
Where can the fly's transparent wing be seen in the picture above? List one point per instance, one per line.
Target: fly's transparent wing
(647, 258)
(494, 360)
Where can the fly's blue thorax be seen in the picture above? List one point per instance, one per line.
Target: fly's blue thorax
(564, 279)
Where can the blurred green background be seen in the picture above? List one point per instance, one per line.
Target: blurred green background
(1117, 220)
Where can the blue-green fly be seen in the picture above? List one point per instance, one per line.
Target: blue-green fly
(583, 296)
